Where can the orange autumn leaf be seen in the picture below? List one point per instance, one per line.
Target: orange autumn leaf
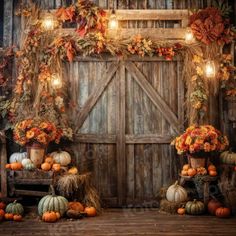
(65, 14)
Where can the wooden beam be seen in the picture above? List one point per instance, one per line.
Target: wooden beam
(120, 131)
(95, 138)
(154, 96)
(8, 23)
(3, 161)
(147, 138)
(93, 98)
(30, 193)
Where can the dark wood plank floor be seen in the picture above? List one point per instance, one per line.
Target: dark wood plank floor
(124, 222)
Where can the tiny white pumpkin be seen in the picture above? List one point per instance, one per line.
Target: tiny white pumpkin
(18, 157)
(61, 157)
(26, 162)
(176, 193)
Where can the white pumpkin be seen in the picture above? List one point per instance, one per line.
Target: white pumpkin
(176, 193)
(61, 157)
(18, 157)
(25, 162)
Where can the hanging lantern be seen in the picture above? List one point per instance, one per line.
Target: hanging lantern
(189, 37)
(56, 81)
(210, 69)
(113, 22)
(49, 22)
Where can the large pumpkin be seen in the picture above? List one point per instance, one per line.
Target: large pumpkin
(53, 203)
(176, 193)
(18, 157)
(228, 157)
(195, 207)
(15, 208)
(212, 205)
(61, 157)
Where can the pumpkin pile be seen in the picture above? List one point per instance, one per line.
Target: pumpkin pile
(216, 208)
(188, 171)
(12, 212)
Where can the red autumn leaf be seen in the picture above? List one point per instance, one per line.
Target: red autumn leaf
(70, 11)
(81, 31)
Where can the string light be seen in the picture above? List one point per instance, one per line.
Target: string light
(49, 22)
(189, 37)
(56, 81)
(210, 70)
(113, 22)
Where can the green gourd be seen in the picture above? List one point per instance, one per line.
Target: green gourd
(15, 208)
(30, 166)
(195, 207)
(228, 157)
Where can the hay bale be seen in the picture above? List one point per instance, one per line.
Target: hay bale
(170, 207)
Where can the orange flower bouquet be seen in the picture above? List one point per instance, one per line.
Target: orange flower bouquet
(31, 131)
(200, 140)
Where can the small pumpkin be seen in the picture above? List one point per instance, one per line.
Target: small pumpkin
(176, 193)
(25, 162)
(184, 172)
(76, 206)
(50, 216)
(53, 203)
(30, 166)
(201, 171)
(223, 212)
(16, 166)
(8, 166)
(213, 173)
(56, 167)
(73, 171)
(181, 211)
(192, 172)
(186, 167)
(18, 157)
(8, 216)
(2, 212)
(212, 205)
(49, 159)
(61, 157)
(46, 166)
(195, 207)
(2, 205)
(15, 208)
(91, 211)
(17, 218)
(211, 167)
(228, 157)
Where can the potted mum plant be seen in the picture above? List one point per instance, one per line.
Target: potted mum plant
(36, 134)
(199, 143)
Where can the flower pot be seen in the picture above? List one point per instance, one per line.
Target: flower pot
(36, 153)
(196, 162)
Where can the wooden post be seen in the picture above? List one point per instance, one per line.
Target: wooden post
(3, 160)
(8, 23)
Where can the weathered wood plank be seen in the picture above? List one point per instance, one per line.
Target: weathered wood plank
(154, 96)
(95, 138)
(148, 138)
(93, 98)
(8, 23)
(3, 162)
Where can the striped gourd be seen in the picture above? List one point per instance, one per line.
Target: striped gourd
(195, 207)
(53, 203)
(176, 193)
(15, 208)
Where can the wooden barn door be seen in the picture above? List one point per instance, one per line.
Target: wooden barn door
(128, 112)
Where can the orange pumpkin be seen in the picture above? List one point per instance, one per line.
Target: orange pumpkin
(9, 216)
(17, 218)
(49, 160)
(56, 167)
(181, 211)
(211, 167)
(2, 212)
(235, 168)
(213, 173)
(223, 212)
(76, 206)
(2, 205)
(201, 171)
(91, 211)
(213, 205)
(186, 167)
(46, 166)
(8, 166)
(16, 166)
(184, 172)
(192, 172)
(50, 216)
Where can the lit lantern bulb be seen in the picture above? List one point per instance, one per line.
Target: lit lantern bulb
(113, 22)
(210, 70)
(189, 38)
(48, 23)
(56, 81)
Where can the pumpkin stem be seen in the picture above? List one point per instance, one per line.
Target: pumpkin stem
(176, 183)
(194, 200)
(15, 201)
(52, 190)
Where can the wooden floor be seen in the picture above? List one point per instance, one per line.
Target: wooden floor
(124, 222)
